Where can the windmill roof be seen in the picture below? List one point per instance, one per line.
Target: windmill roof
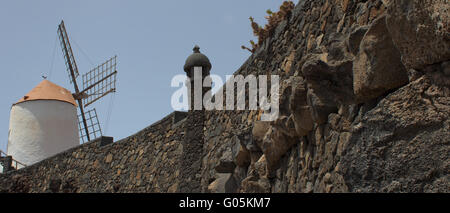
(47, 90)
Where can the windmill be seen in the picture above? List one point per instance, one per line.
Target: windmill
(97, 83)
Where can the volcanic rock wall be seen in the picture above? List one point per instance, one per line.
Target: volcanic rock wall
(364, 107)
(144, 162)
(365, 102)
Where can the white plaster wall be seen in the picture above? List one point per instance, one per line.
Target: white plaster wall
(40, 129)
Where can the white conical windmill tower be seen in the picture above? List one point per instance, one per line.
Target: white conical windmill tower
(42, 123)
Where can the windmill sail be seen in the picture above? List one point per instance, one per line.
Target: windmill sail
(93, 126)
(72, 69)
(71, 65)
(99, 82)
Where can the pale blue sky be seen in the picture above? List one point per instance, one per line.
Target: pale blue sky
(151, 39)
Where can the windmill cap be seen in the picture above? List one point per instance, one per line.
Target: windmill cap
(197, 59)
(47, 90)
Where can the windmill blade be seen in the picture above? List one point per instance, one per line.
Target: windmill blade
(93, 126)
(99, 82)
(71, 65)
(72, 69)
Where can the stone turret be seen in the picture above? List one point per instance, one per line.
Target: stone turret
(197, 62)
(197, 59)
(197, 68)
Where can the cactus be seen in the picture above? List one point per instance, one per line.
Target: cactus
(273, 19)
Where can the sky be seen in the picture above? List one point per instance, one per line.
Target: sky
(151, 39)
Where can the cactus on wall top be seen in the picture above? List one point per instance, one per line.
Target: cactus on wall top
(273, 20)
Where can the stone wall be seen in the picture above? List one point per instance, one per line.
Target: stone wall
(144, 162)
(358, 114)
(361, 111)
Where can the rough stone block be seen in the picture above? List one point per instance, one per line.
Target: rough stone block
(377, 68)
(420, 31)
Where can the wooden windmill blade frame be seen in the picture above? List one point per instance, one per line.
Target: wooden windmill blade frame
(73, 70)
(93, 126)
(71, 65)
(99, 82)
